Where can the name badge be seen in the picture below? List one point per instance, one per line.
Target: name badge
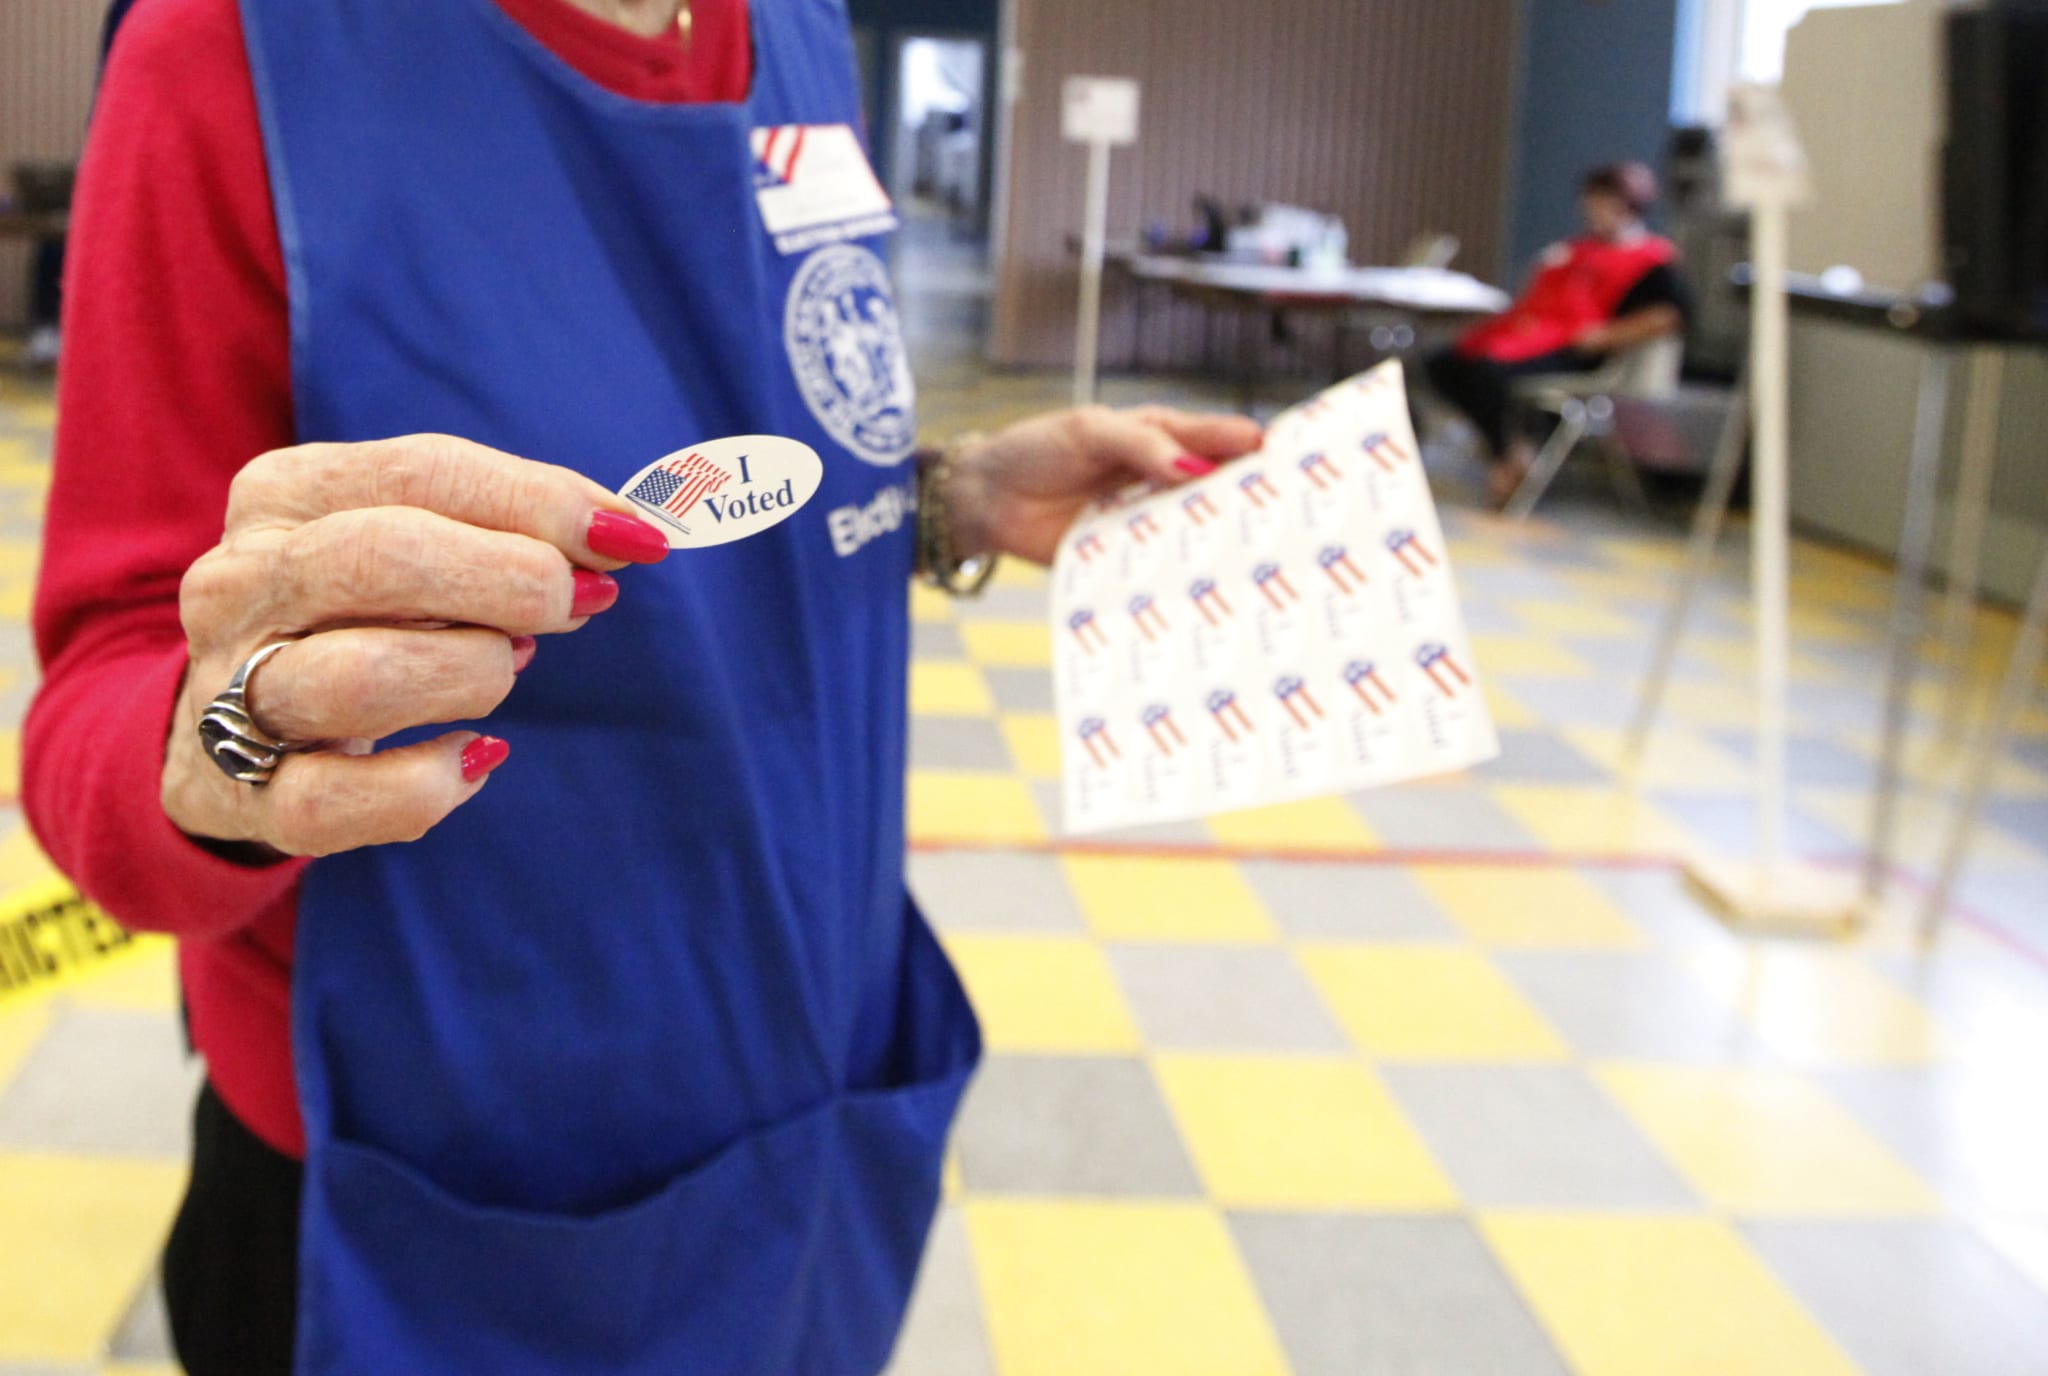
(725, 490)
(814, 187)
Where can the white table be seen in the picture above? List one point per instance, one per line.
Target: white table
(1276, 291)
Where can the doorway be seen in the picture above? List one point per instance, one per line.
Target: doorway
(938, 129)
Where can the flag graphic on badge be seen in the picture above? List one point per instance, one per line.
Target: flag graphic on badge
(1151, 620)
(1229, 714)
(1294, 695)
(1159, 724)
(1384, 451)
(1443, 670)
(1364, 678)
(677, 485)
(1321, 471)
(777, 151)
(1407, 546)
(1336, 561)
(1095, 736)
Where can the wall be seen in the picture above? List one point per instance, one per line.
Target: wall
(1596, 89)
(1395, 114)
(49, 57)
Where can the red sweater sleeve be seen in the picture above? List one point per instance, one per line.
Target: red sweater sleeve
(176, 372)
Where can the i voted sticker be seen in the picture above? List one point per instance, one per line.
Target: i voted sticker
(725, 490)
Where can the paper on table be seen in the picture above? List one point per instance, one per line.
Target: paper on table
(1283, 628)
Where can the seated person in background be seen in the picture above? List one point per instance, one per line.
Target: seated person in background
(1615, 287)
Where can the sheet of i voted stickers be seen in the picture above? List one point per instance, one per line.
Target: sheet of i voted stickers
(1284, 628)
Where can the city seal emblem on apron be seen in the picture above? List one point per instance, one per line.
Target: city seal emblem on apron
(846, 349)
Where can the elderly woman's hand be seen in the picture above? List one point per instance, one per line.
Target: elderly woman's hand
(410, 576)
(1018, 491)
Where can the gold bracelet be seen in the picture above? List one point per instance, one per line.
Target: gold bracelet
(941, 565)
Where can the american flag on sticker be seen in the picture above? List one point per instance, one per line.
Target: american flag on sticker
(777, 151)
(679, 484)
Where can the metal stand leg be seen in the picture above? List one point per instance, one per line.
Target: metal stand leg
(1571, 428)
(2012, 696)
(1916, 536)
(1699, 560)
(1966, 534)
(1623, 478)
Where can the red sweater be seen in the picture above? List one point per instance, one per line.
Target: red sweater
(176, 372)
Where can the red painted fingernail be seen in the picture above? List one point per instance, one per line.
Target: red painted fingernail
(523, 648)
(481, 756)
(594, 592)
(1194, 465)
(617, 536)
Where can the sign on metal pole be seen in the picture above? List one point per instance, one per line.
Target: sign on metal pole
(1764, 170)
(1101, 112)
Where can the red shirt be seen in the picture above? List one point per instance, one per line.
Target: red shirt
(176, 372)
(1578, 285)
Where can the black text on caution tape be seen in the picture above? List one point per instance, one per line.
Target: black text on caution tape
(50, 941)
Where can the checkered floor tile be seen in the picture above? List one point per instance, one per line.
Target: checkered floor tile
(1450, 1078)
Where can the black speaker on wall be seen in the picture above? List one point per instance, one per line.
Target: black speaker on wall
(1995, 168)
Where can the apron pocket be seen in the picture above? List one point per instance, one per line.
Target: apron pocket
(790, 1252)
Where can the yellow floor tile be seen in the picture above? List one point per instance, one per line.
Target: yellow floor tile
(1713, 705)
(1735, 656)
(1117, 1289)
(1478, 554)
(22, 861)
(1145, 898)
(1644, 554)
(80, 1238)
(144, 978)
(1592, 820)
(948, 688)
(948, 805)
(1764, 1141)
(1614, 585)
(1501, 906)
(1034, 741)
(1823, 1006)
(1506, 709)
(1574, 618)
(929, 604)
(1299, 1133)
(1674, 758)
(24, 477)
(1043, 994)
(1535, 655)
(1428, 1003)
(1020, 644)
(1314, 824)
(1670, 1296)
(1017, 573)
(22, 1024)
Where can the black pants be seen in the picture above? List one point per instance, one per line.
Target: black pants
(231, 1267)
(46, 282)
(1483, 388)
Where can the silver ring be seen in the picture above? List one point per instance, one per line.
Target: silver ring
(229, 735)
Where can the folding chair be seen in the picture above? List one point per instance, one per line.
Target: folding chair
(1583, 404)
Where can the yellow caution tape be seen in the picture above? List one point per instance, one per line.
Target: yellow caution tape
(50, 936)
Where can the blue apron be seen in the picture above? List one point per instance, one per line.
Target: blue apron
(642, 1062)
